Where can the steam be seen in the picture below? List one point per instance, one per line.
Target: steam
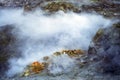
(61, 64)
(42, 35)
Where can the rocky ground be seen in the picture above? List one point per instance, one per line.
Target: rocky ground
(101, 61)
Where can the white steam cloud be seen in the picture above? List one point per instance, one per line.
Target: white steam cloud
(44, 34)
(60, 64)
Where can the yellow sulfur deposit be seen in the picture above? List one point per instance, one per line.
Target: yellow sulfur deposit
(37, 67)
(34, 68)
(71, 53)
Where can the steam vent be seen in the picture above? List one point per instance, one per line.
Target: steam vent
(59, 39)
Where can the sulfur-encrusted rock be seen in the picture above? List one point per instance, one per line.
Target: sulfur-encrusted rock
(71, 53)
(52, 7)
(34, 68)
(64, 6)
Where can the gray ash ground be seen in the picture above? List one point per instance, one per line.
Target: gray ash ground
(102, 59)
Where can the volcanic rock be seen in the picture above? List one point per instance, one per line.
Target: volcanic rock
(71, 53)
(34, 68)
(6, 40)
(64, 6)
(107, 48)
(106, 8)
(8, 47)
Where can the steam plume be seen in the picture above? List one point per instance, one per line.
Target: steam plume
(42, 35)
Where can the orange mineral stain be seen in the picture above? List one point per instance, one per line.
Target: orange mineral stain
(37, 67)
